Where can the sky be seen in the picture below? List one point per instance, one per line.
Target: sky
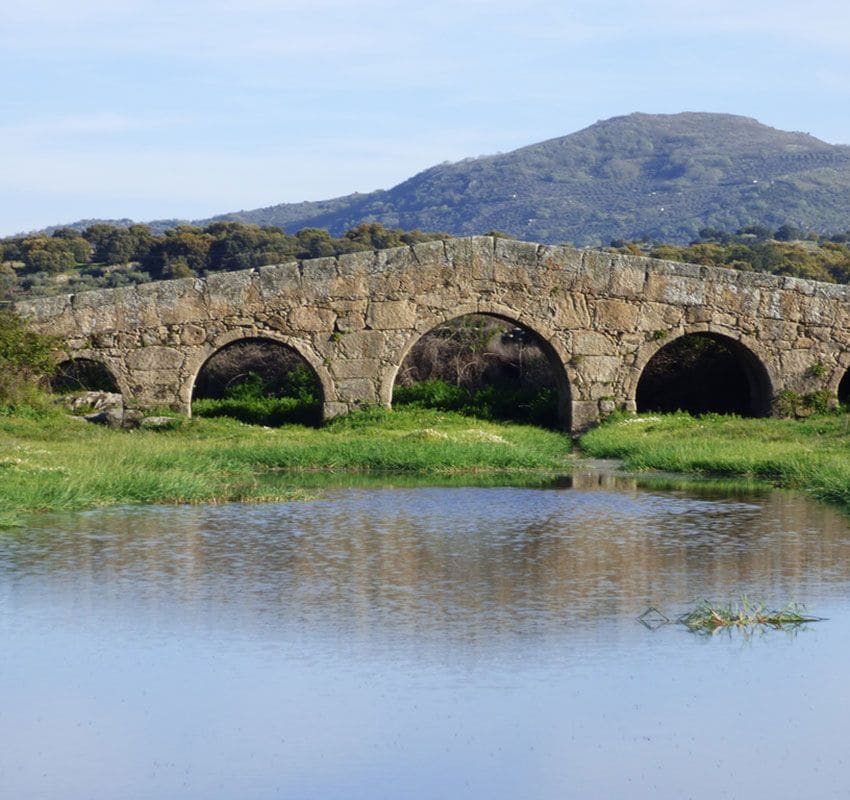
(154, 109)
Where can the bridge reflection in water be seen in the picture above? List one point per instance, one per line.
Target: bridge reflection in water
(441, 563)
(421, 643)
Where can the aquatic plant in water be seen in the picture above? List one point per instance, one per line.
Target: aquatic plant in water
(709, 617)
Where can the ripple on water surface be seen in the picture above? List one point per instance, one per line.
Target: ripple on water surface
(422, 642)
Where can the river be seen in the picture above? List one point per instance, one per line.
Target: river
(422, 642)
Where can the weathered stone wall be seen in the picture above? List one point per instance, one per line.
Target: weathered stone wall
(354, 318)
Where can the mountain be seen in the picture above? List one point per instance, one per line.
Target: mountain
(643, 175)
(661, 177)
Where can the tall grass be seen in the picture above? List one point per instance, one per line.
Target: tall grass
(253, 401)
(51, 462)
(811, 454)
(495, 401)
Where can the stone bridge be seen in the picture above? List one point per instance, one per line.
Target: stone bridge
(601, 318)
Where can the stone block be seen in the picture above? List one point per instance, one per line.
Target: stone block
(192, 335)
(607, 406)
(178, 301)
(348, 288)
(356, 368)
(429, 253)
(628, 279)
(332, 408)
(276, 322)
(676, 289)
(511, 251)
(361, 344)
(358, 391)
(229, 293)
(48, 314)
(391, 314)
(356, 264)
(822, 333)
(831, 292)
(798, 285)
(777, 330)
(796, 363)
(560, 258)
(590, 343)
(349, 321)
(310, 319)
(317, 273)
(659, 317)
(279, 280)
(155, 358)
(617, 315)
(570, 311)
(153, 336)
(441, 300)
(584, 414)
(599, 370)
(511, 274)
(699, 314)
(596, 272)
(816, 311)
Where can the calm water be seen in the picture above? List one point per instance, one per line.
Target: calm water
(424, 643)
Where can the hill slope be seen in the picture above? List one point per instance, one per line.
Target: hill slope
(659, 176)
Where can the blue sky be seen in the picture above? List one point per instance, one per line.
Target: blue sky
(186, 108)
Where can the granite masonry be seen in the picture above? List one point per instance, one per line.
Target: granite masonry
(354, 318)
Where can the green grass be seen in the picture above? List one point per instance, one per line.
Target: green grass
(49, 461)
(710, 617)
(525, 404)
(812, 454)
(270, 411)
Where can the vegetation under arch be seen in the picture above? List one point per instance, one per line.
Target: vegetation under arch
(82, 374)
(259, 381)
(485, 366)
(704, 373)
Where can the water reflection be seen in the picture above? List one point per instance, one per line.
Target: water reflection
(464, 564)
(420, 643)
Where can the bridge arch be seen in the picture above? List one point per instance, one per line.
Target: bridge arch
(703, 369)
(544, 338)
(843, 390)
(82, 373)
(291, 344)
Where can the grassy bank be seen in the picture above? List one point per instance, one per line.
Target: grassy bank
(49, 461)
(812, 455)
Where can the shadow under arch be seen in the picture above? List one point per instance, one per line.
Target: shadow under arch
(705, 372)
(258, 379)
(510, 345)
(83, 375)
(844, 389)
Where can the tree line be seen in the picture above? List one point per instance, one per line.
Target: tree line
(784, 251)
(105, 256)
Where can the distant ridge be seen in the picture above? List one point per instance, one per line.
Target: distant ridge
(656, 176)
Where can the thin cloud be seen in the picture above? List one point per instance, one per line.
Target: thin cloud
(96, 123)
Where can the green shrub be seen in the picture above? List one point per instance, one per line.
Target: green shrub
(26, 361)
(498, 401)
(252, 401)
(788, 404)
(269, 411)
(433, 394)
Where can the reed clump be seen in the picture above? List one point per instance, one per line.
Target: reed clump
(710, 617)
